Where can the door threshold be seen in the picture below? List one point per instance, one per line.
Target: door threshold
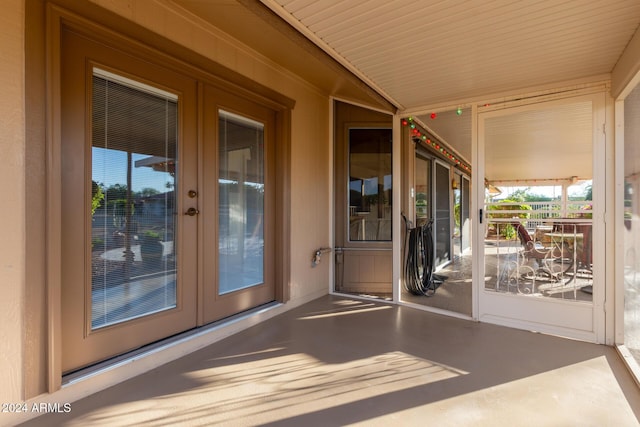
(436, 310)
(161, 352)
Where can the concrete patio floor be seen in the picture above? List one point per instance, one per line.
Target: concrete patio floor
(338, 361)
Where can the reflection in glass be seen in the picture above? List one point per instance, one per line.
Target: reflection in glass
(134, 143)
(370, 184)
(465, 216)
(423, 190)
(538, 235)
(241, 203)
(631, 228)
(436, 194)
(442, 223)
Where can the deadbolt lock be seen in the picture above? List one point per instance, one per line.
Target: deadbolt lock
(192, 193)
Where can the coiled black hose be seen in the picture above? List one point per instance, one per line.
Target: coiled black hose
(419, 260)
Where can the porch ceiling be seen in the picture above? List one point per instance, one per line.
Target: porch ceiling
(517, 147)
(440, 55)
(427, 53)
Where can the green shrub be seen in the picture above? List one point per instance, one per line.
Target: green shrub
(507, 230)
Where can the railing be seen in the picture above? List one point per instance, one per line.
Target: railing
(539, 248)
(539, 213)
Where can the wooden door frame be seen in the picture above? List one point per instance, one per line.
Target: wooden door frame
(117, 31)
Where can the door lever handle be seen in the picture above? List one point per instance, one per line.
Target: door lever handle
(192, 212)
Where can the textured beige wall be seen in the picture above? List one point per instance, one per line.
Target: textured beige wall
(310, 195)
(12, 194)
(310, 192)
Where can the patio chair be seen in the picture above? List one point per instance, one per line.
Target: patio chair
(543, 257)
(584, 248)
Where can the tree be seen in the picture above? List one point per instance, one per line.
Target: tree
(525, 195)
(147, 192)
(97, 196)
(519, 195)
(116, 191)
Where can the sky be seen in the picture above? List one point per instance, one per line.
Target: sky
(109, 167)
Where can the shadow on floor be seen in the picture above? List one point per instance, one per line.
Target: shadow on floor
(338, 361)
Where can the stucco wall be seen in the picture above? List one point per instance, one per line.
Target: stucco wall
(12, 194)
(310, 195)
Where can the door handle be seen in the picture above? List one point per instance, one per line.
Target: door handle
(192, 212)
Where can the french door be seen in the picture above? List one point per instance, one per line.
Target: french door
(238, 181)
(166, 219)
(539, 226)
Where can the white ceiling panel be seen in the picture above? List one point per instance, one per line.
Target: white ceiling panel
(433, 52)
(419, 55)
(547, 143)
(452, 128)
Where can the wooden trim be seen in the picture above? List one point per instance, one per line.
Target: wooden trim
(201, 200)
(144, 44)
(283, 207)
(35, 343)
(53, 203)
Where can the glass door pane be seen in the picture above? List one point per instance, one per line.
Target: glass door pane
(442, 223)
(538, 240)
(241, 188)
(133, 163)
(631, 230)
(423, 191)
(369, 185)
(465, 218)
(442, 209)
(542, 270)
(457, 211)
